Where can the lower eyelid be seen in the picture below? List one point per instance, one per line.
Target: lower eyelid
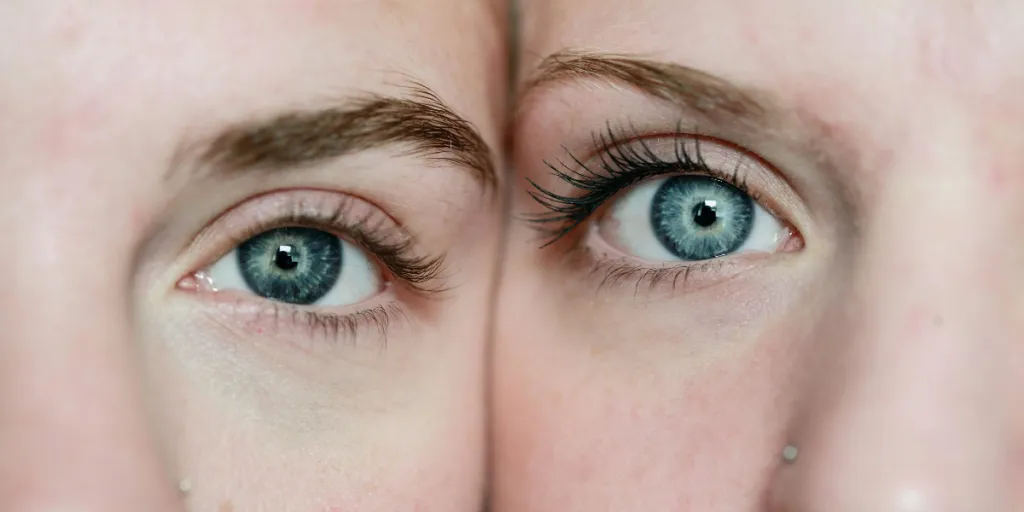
(248, 317)
(623, 274)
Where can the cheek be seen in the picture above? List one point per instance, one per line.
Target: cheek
(261, 427)
(664, 426)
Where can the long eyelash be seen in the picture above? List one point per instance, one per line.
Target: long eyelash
(623, 159)
(391, 246)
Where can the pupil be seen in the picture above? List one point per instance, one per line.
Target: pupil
(705, 214)
(284, 258)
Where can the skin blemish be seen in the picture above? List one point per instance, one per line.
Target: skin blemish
(227, 506)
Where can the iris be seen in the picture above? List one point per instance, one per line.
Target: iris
(699, 217)
(293, 264)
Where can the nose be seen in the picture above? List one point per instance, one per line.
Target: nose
(74, 435)
(907, 401)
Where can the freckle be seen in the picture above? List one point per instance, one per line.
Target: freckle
(938, 321)
(226, 507)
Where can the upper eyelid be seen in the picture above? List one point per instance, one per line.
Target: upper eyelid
(359, 221)
(772, 190)
(246, 218)
(748, 163)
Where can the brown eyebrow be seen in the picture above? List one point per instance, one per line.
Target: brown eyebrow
(420, 119)
(667, 81)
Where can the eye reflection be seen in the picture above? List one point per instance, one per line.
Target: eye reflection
(689, 218)
(298, 265)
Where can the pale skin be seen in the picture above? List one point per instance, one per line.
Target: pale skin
(879, 339)
(126, 382)
(883, 344)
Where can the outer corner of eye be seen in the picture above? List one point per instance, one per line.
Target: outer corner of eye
(294, 265)
(693, 218)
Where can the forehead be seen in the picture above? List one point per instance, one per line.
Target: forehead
(872, 68)
(218, 39)
(127, 67)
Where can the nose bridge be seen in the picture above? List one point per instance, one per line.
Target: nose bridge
(905, 408)
(73, 432)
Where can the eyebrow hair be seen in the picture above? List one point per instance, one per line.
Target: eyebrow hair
(420, 119)
(708, 95)
(667, 81)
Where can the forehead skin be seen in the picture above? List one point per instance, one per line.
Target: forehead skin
(114, 76)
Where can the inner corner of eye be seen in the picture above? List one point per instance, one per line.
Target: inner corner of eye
(195, 282)
(790, 240)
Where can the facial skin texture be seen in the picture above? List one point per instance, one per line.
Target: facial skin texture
(886, 347)
(120, 380)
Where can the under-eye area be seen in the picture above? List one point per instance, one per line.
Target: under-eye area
(310, 264)
(663, 209)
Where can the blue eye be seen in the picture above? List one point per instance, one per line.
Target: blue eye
(293, 265)
(689, 218)
(298, 265)
(699, 218)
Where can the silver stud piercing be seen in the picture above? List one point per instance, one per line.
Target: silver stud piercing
(790, 453)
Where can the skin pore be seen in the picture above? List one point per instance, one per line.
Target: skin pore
(141, 144)
(876, 333)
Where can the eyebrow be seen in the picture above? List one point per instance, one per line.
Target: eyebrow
(675, 83)
(716, 99)
(419, 119)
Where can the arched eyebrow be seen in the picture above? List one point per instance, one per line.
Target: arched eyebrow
(668, 81)
(419, 120)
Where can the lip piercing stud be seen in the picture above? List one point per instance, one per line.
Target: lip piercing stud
(790, 453)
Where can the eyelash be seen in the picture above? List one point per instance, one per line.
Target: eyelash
(621, 164)
(392, 247)
(389, 245)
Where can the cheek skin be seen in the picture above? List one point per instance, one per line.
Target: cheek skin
(581, 411)
(688, 443)
(257, 453)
